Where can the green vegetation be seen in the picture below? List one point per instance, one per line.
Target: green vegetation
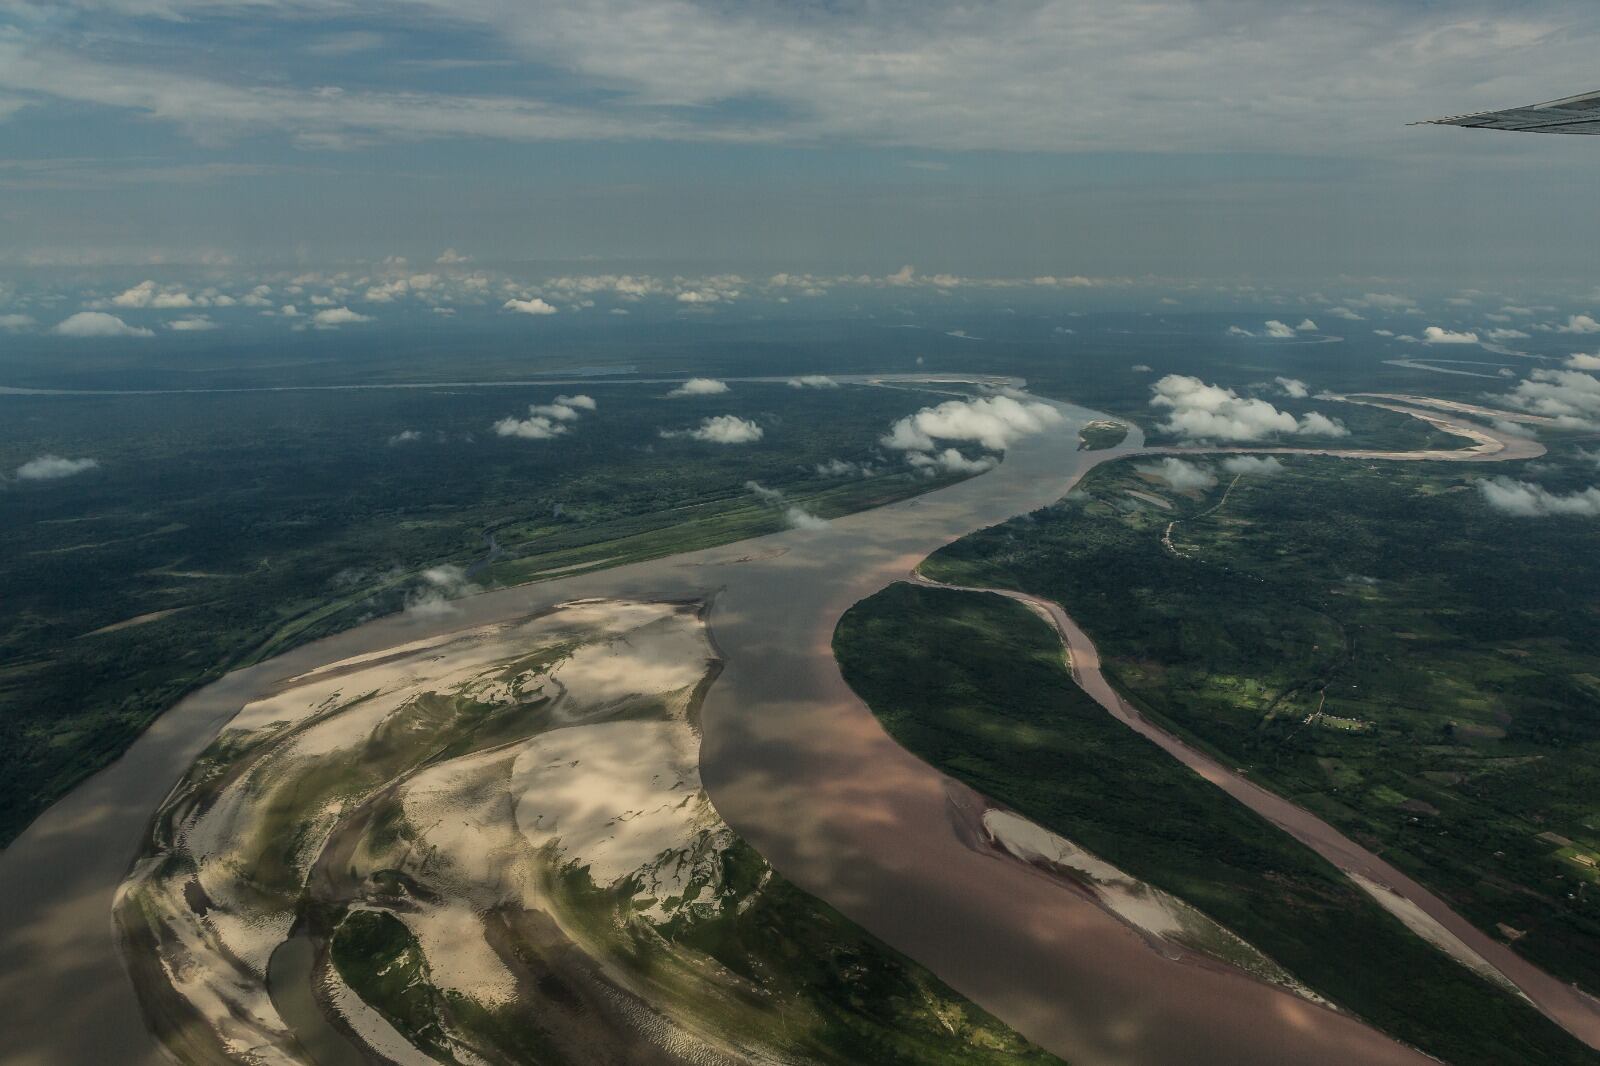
(220, 529)
(383, 964)
(764, 966)
(976, 685)
(1374, 641)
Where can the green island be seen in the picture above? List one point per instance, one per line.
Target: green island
(976, 685)
(1100, 434)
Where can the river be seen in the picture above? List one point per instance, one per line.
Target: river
(792, 760)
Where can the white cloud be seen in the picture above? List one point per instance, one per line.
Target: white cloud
(1294, 388)
(1344, 313)
(721, 429)
(1141, 368)
(1385, 301)
(1181, 475)
(405, 436)
(1506, 335)
(1307, 326)
(1570, 397)
(1527, 500)
(842, 468)
(16, 322)
(334, 317)
(439, 585)
(1239, 331)
(950, 461)
(534, 427)
(1253, 465)
(532, 306)
(796, 516)
(928, 76)
(1211, 412)
(1440, 335)
(993, 422)
(1384, 332)
(194, 324)
(700, 387)
(545, 420)
(51, 467)
(451, 257)
(98, 324)
(1278, 331)
(1579, 324)
(1584, 361)
(148, 294)
(813, 381)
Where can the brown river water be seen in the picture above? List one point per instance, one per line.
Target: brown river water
(792, 760)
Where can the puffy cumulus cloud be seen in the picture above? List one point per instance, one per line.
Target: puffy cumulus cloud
(98, 324)
(720, 429)
(435, 588)
(623, 286)
(992, 421)
(405, 436)
(813, 381)
(534, 427)
(193, 324)
(1142, 368)
(796, 516)
(1278, 331)
(1345, 313)
(1571, 397)
(1294, 388)
(1306, 326)
(1179, 474)
(1579, 324)
(1501, 334)
(1584, 361)
(148, 294)
(451, 257)
(844, 468)
(334, 317)
(1385, 301)
(1440, 335)
(700, 387)
(1211, 412)
(545, 420)
(1239, 331)
(51, 467)
(950, 461)
(15, 323)
(1253, 465)
(532, 306)
(1527, 500)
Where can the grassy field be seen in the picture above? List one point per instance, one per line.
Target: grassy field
(1374, 641)
(220, 529)
(975, 684)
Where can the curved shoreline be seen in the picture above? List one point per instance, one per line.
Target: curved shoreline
(792, 760)
(1564, 1004)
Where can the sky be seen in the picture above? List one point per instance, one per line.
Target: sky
(1179, 140)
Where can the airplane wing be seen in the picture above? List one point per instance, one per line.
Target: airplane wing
(1575, 115)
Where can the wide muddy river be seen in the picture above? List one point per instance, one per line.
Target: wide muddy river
(792, 760)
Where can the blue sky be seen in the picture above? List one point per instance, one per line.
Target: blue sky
(1185, 140)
